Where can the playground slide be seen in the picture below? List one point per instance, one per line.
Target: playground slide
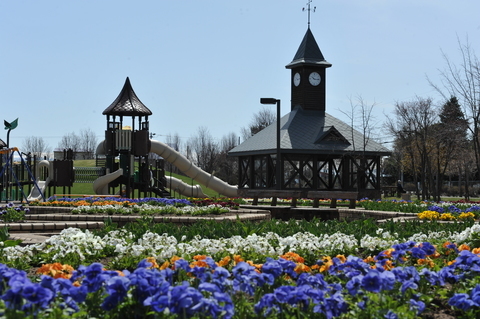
(38, 193)
(100, 185)
(180, 161)
(183, 188)
(199, 175)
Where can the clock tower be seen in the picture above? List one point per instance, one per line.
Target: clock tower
(308, 77)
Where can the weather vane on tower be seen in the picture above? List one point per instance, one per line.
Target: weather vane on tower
(308, 9)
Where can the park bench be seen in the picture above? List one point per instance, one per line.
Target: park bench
(333, 196)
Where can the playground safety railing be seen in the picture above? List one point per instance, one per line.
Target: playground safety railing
(88, 174)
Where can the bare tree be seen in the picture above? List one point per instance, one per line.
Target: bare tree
(463, 81)
(226, 165)
(362, 119)
(175, 142)
(88, 143)
(36, 146)
(414, 135)
(70, 141)
(204, 149)
(260, 120)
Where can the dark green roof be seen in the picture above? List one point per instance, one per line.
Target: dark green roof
(309, 132)
(127, 103)
(308, 53)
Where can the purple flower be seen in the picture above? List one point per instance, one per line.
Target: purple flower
(461, 301)
(315, 281)
(447, 275)
(37, 295)
(117, 288)
(430, 276)
(475, 295)
(409, 284)
(391, 315)
(417, 305)
(417, 252)
(372, 281)
(149, 282)
(183, 298)
(376, 281)
(267, 305)
(353, 285)
(272, 266)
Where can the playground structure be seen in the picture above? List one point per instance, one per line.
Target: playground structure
(126, 150)
(126, 168)
(174, 184)
(26, 178)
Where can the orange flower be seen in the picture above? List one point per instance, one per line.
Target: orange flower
(327, 262)
(463, 247)
(237, 259)
(257, 266)
(388, 253)
(293, 257)
(153, 261)
(200, 257)
(56, 270)
(224, 262)
(476, 251)
(369, 260)
(342, 258)
(199, 263)
(388, 265)
(165, 265)
(301, 268)
(426, 261)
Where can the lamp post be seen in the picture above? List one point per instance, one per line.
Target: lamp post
(278, 173)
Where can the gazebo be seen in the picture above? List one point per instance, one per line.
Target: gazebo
(317, 152)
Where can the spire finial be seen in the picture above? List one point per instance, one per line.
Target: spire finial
(309, 9)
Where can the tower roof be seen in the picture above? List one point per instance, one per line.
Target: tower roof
(127, 103)
(308, 53)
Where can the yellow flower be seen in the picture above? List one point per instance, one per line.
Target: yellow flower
(447, 216)
(429, 214)
(468, 215)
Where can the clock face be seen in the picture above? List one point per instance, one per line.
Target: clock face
(314, 78)
(296, 79)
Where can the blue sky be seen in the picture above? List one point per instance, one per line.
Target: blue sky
(207, 63)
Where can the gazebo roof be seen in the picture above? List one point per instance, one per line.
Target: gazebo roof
(127, 103)
(309, 132)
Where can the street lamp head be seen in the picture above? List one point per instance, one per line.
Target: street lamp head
(268, 100)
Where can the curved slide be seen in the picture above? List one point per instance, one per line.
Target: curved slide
(183, 164)
(100, 185)
(38, 191)
(186, 166)
(183, 188)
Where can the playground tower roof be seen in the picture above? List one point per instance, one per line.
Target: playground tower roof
(127, 103)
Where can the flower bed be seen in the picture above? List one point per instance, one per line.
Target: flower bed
(256, 275)
(274, 269)
(408, 280)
